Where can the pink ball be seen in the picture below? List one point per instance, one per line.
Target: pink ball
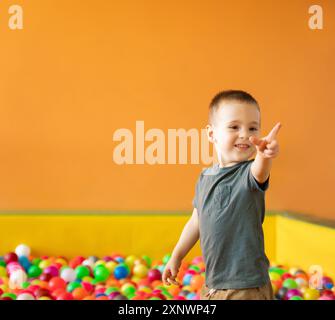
(52, 270)
(154, 274)
(291, 293)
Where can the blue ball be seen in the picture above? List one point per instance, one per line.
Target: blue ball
(190, 296)
(120, 272)
(25, 263)
(119, 259)
(187, 279)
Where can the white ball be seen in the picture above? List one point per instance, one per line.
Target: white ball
(25, 296)
(68, 275)
(16, 279)
(22, 250)
(88, 263)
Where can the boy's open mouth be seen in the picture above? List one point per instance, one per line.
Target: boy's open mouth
(242, 146)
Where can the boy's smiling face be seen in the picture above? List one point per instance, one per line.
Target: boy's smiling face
(234, 122)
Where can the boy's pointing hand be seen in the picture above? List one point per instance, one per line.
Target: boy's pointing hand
(268, 146)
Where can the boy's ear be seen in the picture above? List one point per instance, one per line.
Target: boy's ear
(210, 133)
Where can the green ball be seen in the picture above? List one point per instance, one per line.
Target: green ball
(148, 260)
(290, 284)
(101, 273)
(10, 295)
(34, 271)
(73, 285)
(130, 296)
(36, 261)
(25, 285)
(129, 290)
(195, 268)
(2, 263)
(166, 258)
(154, 298)
(296, 298)
(277, 270)
(82, 271)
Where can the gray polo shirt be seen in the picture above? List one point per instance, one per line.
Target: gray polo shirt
(230, 204)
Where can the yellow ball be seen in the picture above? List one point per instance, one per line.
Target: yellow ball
(4, 287)
(145, 289)
(188, 288)
(100, 262)
(130, 260)
(311, 294)
(36, 282)
(44, 298)
(44, 264)
(140, 270)
(3, 272)
(110, 265)
(61, 261)
(274, 276)
(87, 279)
(135, 279)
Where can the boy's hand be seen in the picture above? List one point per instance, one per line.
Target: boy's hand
(170, 272)
(268, 146)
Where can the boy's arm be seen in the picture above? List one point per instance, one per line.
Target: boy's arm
(267, 149)
(188, 237)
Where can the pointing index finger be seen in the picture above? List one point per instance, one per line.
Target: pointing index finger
(273, 133)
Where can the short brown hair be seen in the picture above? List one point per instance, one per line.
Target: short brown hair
(229, 95)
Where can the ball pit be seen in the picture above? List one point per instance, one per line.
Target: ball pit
(119, 277)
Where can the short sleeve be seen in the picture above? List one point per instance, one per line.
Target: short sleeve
(252, 183)
(196, 193)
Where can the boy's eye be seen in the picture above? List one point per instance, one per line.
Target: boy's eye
(233, 127)
(253, 129)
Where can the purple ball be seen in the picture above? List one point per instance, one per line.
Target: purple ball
(292, 292)
(113, 294)
(52, 270)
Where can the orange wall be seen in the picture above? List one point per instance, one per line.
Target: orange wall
(79, 70)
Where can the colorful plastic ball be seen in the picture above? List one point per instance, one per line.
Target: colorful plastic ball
(326, 298)
(281, 294)
(140, 270)
(3, 271)
(290, 284)
(25, 296)
(301, 282)
(73, 285)
(311, 294)
(154, 274)
(128, 289)
(34, 271)
(65, 296)
(187, 279)
(24, 262)
(166, 258)
(291, 293)
(82, 271)
(16, 279)
(327, 283)
(52, 270)
(101, 273)
(68, 275)
(57, 283)
(10, 296)
(130, 260)
(10, 257)
(22, 250)
(147, 260)
(79, 293)
(196, 282)
(274, 276)
(296, 298)
(120, 272)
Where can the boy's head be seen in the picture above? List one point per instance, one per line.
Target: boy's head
(234, 116)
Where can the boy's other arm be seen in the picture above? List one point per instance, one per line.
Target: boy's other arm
(188, 237)
(267, 149)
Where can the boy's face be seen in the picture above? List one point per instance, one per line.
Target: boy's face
(234, 122)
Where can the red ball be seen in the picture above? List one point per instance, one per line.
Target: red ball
(65, 296)
(75, 262)
(10, 257)
(287, 276)
(57, 283)
(45, 277)
(42, 293)
(154, 274)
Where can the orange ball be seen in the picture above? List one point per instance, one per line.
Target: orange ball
(197, 281)
(102, 298)
(79, 293)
